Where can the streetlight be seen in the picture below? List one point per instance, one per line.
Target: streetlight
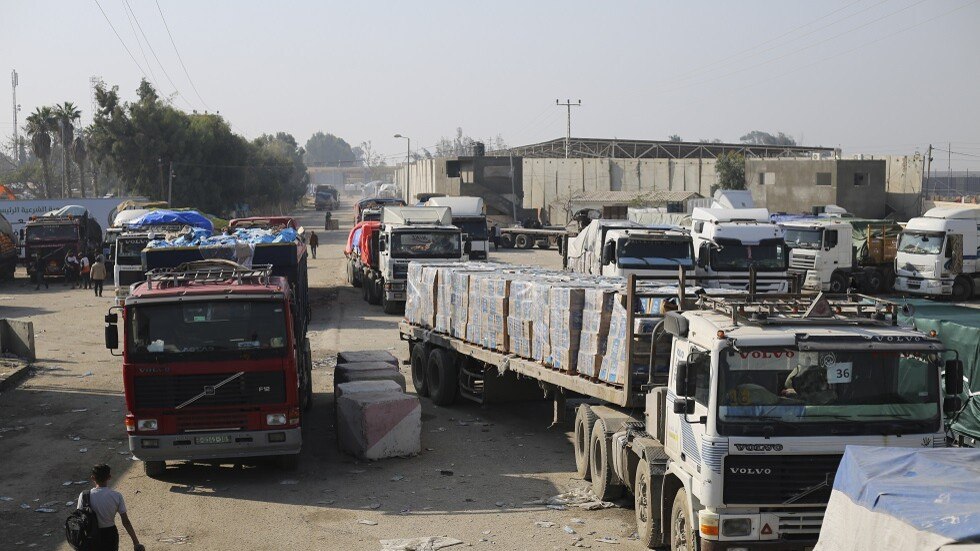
(408, 168)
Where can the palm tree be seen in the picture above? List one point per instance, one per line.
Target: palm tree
(79, 153)
(38, 126)
(66, 114)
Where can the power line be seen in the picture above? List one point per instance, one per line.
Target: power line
(180, 59)
(121, 41)
(152, 51)
(956, 152)
(146, 60)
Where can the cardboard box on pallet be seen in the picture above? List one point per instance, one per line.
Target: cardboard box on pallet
(487, 321)
(615, 361)
(596, 316)
(459, 282)
(565, 302)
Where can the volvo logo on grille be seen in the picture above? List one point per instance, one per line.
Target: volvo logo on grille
(747, 470)
(208, 390)
(759, 447)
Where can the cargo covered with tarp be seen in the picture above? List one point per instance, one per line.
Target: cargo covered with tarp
(190, 218)
(958, 327)
(903, 499)
(874, 241)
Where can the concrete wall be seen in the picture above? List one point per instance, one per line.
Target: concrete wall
(791, 185)
(903, 184)
(548, 182)
(17, 337)
(427, 176)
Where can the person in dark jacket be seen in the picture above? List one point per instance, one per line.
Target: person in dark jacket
(39, 268)
(314, 242)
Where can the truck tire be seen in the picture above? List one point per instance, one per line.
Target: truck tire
(507, 241)
(874, 281)
(683, 536)
(375, 290)
(365, 289)
(522, 241)
(962, 289)
(604, 484)
(154, 469)
(543, 244)
(390, 306)
(307, 398)
(584, 420)
(838, 283)
(419, 357)
(288, 462)
(646, 500)
(441, 376)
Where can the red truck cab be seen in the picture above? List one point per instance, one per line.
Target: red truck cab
(210, 365)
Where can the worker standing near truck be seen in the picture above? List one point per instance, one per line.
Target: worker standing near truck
(314, 241)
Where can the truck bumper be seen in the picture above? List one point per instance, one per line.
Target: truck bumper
(923, 286)
(781, 545)
(240, 444)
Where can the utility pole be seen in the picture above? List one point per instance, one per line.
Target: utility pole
(949, 165)
(170, 186)
(408, 167)
(13, 84)
(160, 166)
(928, 165)
(568, 132)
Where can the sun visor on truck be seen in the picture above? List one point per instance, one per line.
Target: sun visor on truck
(407, 216)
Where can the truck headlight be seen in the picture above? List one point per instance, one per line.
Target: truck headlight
(275, 419)
(147, 425)
(736, 527)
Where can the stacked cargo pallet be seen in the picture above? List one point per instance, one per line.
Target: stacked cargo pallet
(566, 321)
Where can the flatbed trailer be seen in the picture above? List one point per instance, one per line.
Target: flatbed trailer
(526, 238)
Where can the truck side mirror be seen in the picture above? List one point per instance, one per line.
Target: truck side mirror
(382, 245)
(680, 378)
(112, 317)
(954, 377)
(703, 255)
(608, 253)
(111, 336)
(952, 405)
(683, 406)
(467, 246)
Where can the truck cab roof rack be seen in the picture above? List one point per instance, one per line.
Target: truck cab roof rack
(806, 309)
(208, 271)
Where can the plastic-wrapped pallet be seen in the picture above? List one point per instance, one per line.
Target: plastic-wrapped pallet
(565, 303)
(520, 318)
(487, 320)
(460, 298)
(541, 320)
(596, 316)
(416, 295)
(615, 361)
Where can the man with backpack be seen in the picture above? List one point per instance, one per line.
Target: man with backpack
(93, 526)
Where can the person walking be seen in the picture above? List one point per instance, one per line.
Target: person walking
(85, 266)
(314, 242)
(495, 236)
(39, 268)
(71, 269)
(106, 502)
(326, 221)
(98, 275)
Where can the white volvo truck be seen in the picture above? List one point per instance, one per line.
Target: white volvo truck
(937, 254)
(409, 233)
(621, 247)
(737, 445)
(730, 244)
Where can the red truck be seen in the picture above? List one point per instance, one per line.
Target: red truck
(52, 237)
(212, 355)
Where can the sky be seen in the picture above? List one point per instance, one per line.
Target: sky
(870, 76)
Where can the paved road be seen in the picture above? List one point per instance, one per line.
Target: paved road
(68, 416)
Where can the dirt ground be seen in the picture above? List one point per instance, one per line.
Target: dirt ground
(69, 415)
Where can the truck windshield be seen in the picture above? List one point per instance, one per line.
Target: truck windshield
(476, 228)
(128, 250)
(768, 256)
(62, 232)
(206, 330)
(425, 244)
(638, 253)
(795, 392)
(921, 242)
(804, 239)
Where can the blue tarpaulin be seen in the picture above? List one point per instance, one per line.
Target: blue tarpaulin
(903, 498)
(172, 218)
(249, 236)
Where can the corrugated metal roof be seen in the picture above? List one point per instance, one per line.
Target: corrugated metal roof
(658, 197)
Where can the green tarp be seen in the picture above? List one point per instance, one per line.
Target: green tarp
(958, 327)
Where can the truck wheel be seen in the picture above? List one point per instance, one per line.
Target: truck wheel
(154, 469)
(288, 462)
(365, 289)
(507, 241)
(874, 280)
(962, 289)
(308, 383)
(838, 283)
(419, 356)
(390, 306)
(375, 290)
(522, 241)
(543, 244)
(604, 484)
(647, 507)
(682, 533)
(584, 419)
(442, 379)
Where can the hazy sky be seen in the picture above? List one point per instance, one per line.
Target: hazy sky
(871, 76)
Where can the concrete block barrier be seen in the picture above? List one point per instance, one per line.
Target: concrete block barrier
(360, 356)
(378, 425)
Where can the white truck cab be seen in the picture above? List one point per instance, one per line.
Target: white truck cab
(620, 248)
(411, 233)
(470, 216)
(821, 251)
(729, 243)
(937, 253)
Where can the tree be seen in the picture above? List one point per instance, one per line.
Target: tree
(79, 153)
(38, 128)
(327, 149)
(730, 168)
(674, 138)
(758, 137)
(66, 114)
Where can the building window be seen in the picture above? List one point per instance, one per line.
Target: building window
(860, 178)
(767, 178)
(823, 178)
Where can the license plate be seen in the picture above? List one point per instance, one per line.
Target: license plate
(213, 439)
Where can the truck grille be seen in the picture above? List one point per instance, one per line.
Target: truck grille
(201, 420)
(804, 525)
(399, 271)
(263, 387)
(799, 262)
(777, 479)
